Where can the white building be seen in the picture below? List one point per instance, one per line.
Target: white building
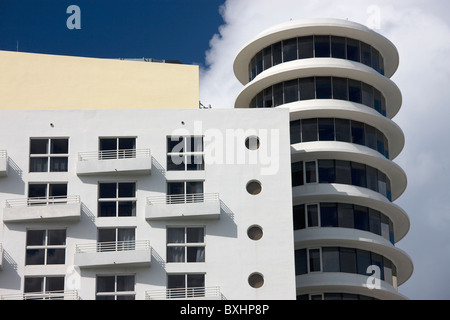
(334, 78)
(143, 203)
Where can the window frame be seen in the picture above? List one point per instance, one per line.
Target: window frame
(185, 244)
(45, 247)
(188, 150)
(48, 155)
(117, 199)
(116, 293)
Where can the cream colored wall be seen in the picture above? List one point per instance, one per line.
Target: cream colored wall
(42, 81)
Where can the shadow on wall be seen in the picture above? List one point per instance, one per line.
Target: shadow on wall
(14, 180)
(10, 278)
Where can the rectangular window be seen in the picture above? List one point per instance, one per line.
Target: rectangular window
(358, 174)
(116, 239)
(366, 54)
(358, 136)
(49, 155)
(276, 53)
(45, 247)
(185, 286)
(268, 101)
(184, 192)
(374, 221)
(326, 129)
(338, 47)
(47, 193)
(291, 91)
(267, 57)
(299, 217)
(301, 265)
(343, 131)
(363, 261)
(277, 94)
(297, 173)
(309, 130)
(117, 148)
(372, 178)
(361, 218)
(185, 153)
(345, 215)
(117, 199)
(347, 257)
(327, 173)
(353, 52)
(340, 88)
(322, 46)
(330, 259)
(295, 131)
(185, 244)
(305, 47)
(314, 260)
(313, 215)
(323, 87)
(259, 62)
(307, 88)
(328, 215)
(310, 172)
(354, 91)
(371, 137)
(43, 284)
(115, 287)
(343, 172)
(289, 49)
(367, 95)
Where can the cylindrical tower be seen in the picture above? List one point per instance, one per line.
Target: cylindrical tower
(334, 76)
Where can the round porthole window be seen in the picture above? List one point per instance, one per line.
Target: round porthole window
(252, 143)
(255, 232)
(254, 187)
(256, 280)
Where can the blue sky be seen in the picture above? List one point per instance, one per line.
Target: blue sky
(160, 29)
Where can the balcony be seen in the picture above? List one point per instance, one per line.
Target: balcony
(3, 163)
(195, 293)
(125, 161)
(116, 253)
(49, 295)
(61, 208)
(184, 206)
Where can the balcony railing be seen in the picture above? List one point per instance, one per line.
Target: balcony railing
(50, 295)
(113, 246)
(183, 198)
(184, 293)
(41, 201)
(114, 154)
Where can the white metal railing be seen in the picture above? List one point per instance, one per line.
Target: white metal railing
(41, 201)
(113, 246)
(114, 154)
(3, 154)
(49, 295)
(182, 198)
(183, 293)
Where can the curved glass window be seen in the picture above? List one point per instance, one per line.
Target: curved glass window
(320, 88)
(343, 259)
(319, 46)
(343, 172)
(343, 215)
(334, 296)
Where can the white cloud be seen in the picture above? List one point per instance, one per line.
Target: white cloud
(421, 32)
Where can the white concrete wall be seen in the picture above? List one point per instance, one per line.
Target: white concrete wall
(230, 255)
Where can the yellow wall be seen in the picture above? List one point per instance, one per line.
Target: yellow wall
(42, 81)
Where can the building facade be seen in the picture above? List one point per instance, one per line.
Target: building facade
(141, 203)
(334, 78)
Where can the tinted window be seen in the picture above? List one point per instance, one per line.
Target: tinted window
(323, 87)
(326, 171)
(297, 173)
(289, 49)
(358, 132)
(343, 172)
(291, 91)
(326, 129)
(299, 217)
(340, 89)
(354, 91)
(358, 174)
(309, 130)
(322, 46)
(295, 131)
(307, 90)
(330, 259)
(338, 47)
(276, 52)
(305, 47)
(343, 130)
(328, 215)
(300, 262)
(353, 50)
